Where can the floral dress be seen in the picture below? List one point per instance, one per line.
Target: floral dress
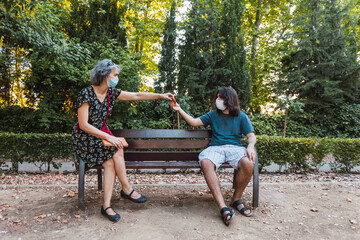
(88, 147)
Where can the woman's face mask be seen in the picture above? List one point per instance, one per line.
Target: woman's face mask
(220, 104)
(113, 82)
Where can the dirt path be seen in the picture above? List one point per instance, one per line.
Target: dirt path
(287, 211)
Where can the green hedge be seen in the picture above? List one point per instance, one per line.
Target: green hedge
(35, 147)
(308, 153)
(293, 153)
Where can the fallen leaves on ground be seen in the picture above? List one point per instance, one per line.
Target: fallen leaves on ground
(69, 194)
(159, 177)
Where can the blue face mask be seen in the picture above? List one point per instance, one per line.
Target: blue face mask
(113, 82)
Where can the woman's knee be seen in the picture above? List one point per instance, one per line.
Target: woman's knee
(119, 154)
(109, 163)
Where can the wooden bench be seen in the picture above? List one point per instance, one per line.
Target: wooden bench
(174, 149)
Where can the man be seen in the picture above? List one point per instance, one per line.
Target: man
(228, 125)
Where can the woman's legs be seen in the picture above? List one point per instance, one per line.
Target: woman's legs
(108, 182)
(120, 169)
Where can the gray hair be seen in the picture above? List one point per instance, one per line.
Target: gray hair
(101, 70)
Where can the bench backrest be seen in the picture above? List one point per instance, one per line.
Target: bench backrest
(164, 138)
(163, 144)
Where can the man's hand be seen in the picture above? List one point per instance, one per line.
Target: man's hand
(250, 152)
(175, 106)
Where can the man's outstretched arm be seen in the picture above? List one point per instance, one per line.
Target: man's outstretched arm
(194, 122)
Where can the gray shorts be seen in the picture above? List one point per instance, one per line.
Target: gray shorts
(218, 155)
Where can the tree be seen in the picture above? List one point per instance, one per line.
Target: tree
(265, 23)
(234, 59)
(286, 104)
(144, 21)
(200, 55)
(167, 64)
(57, 66)
(322, 68)
(212, 54)
(97, 21)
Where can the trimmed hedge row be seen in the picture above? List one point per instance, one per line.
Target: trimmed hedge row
(309, 153)
(293, 153)
(35, 147)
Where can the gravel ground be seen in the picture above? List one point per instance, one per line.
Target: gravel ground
(63, 178)
(292, 206)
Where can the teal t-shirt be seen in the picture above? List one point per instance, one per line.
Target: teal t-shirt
(227, 129)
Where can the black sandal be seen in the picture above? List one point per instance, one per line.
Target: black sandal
(141, 199)
(242, 211)
(231, 214)
(114, 218)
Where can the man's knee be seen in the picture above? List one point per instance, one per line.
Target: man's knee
(246, 163)
(207, 164)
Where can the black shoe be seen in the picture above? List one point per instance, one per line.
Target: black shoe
(114, 218)
(141, 199)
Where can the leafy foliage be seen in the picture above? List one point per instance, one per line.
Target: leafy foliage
(167, 64)
(308, 153)
(322, 68)
(211, 49)
(343, 122)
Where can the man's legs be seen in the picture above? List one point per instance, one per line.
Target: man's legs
(245, 170)
(213, 182)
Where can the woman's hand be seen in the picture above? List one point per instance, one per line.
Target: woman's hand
(175, 106)
(167, 96)
(115, 141)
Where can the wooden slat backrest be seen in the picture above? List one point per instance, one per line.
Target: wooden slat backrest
(161, 133)
(147, 139)
(167, 144)
(161, 156)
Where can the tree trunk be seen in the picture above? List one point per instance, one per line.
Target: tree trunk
(145, 20)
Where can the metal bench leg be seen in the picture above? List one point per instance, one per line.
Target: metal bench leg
(234, 179)
(256, 183)
(99, 179)
(81, 190)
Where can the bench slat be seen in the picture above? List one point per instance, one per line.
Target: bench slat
(161, 165)
(167, 144)
(161, 133)
(161, 156)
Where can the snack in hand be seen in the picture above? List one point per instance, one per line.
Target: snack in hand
(108, 144)
(173, 99)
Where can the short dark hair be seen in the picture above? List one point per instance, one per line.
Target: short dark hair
(231, 100)
(101, 70)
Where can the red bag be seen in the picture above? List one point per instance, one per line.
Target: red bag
(104, 128)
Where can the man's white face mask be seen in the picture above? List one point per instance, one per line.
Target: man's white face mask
(220, 104)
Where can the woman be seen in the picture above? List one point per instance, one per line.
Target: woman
(92, 106)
